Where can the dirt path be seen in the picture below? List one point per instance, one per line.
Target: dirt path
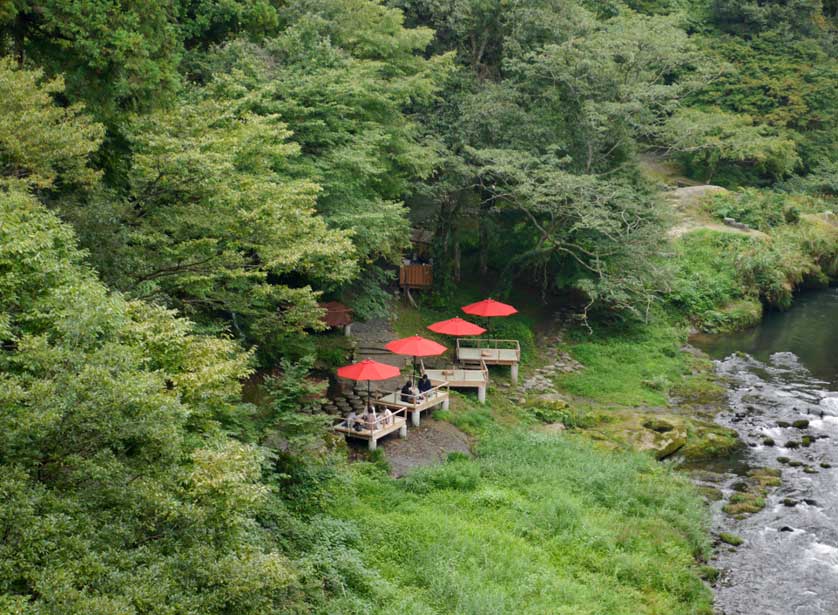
(370, 338)
(425, 445)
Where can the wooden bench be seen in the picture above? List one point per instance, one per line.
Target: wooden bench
(461, 378)
(381, 428)
(436, 396)
(476, 351)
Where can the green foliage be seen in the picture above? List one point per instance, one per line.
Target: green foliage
(628, 365)
(118, 57)
(758, 209)
(342, 74)
(121, 491)
(533, 524)
(42, 145)
(709, 140)
(560, 412)
(213, 226)
(706, 278)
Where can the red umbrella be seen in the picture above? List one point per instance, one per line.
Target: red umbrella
(489, 308)
(368, 370)
(456, 326)
(415, 346)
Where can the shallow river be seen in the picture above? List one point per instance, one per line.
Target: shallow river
(784, 370)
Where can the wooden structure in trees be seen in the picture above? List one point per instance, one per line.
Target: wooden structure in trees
(373, 433)
(420, 276)
(337, 315)
(461, 378)
(474, 351)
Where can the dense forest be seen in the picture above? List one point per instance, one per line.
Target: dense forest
(181, 183)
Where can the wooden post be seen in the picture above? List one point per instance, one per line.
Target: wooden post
(481, 394)
(446, 403)
(403, 431)
(414, 418)
(347, 330)
(373, 444)
(513, 372)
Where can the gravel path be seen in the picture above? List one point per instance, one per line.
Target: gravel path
(425, 445)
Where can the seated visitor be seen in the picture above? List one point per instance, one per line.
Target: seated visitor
(351, 420)
(370, 419)
(388, 417)
(425, 384)
(416, 396)
(406, 395)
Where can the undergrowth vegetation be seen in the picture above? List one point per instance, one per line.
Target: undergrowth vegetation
(630, 365)
(533, 524)
(721, 280)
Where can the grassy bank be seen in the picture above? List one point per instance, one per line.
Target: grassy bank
(535, 523)
(721, 281)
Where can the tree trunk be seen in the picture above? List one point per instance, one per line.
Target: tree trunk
(457, 260)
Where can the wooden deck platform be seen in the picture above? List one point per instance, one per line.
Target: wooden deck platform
(474, 351)
(437, 396)
(461, 378)
(380, 429)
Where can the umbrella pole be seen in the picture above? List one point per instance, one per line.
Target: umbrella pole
(369, 395)
(414, 370)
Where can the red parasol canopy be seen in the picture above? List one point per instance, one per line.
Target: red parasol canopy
(456, 326)
(368, 370)
(488, 308)
(416, 346)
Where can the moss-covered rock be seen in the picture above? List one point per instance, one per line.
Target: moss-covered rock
(800, 424)
(712, 494)
(731, 539)
(658, 425)
(709, 440)
(766, 477)
(742, 504)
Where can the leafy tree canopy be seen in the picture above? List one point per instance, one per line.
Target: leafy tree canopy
(121, 492)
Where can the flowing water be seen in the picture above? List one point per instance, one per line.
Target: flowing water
(784, 370)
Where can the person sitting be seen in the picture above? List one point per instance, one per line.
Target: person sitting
(415, 395)
(351, 419)
(425, 384)
(388, 417)
(370, 419)
(406, 395)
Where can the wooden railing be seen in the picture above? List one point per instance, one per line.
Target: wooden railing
(472, 342)
(434, 394)
(380, 423)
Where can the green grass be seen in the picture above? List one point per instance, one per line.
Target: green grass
(633, 367)
(535, 523)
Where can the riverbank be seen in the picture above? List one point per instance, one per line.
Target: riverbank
(783, 402)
